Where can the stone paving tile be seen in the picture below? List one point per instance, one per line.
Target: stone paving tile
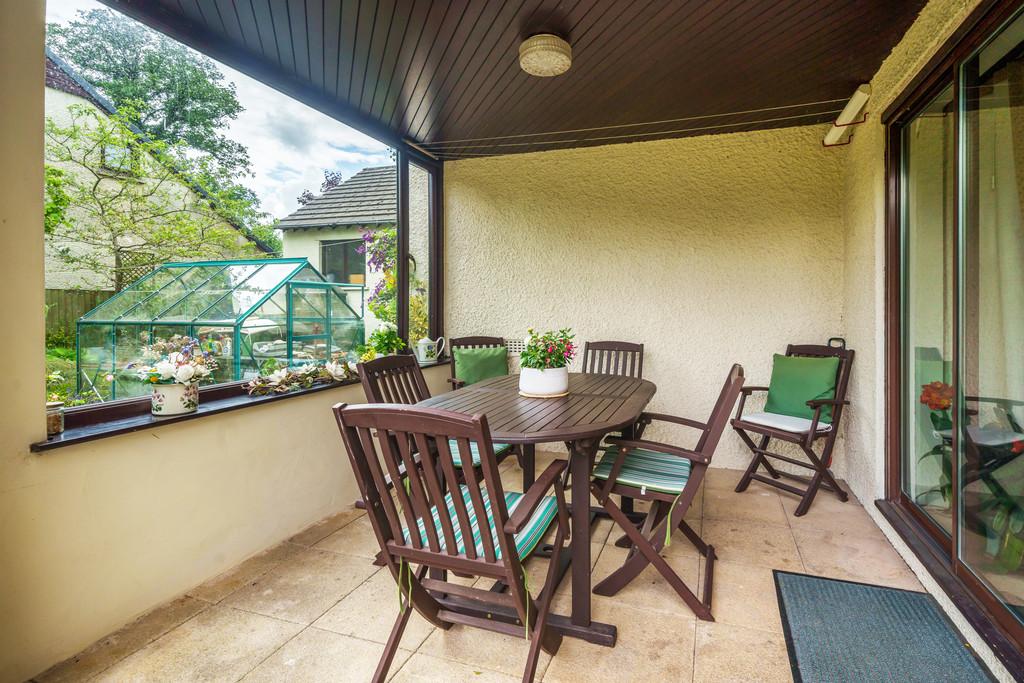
(325, 527)
(304, 588)
(220, 587)
(218, 644)
(118, 645)
(316, 655)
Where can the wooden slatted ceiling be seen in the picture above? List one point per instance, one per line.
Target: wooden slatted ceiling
(445, 75)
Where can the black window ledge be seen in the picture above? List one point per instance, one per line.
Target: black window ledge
(221, 399)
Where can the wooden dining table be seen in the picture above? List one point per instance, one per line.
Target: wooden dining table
(596, 405)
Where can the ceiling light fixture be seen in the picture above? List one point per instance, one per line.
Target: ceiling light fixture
(545, 55)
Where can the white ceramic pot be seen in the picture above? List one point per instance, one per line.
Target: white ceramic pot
(548, 382)
(174, 399)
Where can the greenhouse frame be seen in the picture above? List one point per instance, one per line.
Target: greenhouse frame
(253, 316)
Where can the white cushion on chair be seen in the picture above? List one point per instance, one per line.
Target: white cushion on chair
(787, 423)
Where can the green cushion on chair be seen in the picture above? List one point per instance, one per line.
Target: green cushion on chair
(474, 365)
(646, 469)
(453, 445)
(526, 540)
(799, 379)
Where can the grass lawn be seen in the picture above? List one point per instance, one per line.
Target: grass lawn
(60, 373)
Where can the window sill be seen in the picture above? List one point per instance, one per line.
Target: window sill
(143, 419)
(146, 420)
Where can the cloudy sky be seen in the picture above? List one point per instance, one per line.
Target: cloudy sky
(289, 143)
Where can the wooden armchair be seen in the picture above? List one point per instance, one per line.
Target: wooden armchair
(805, 433)
(427, 522)
(669, 477)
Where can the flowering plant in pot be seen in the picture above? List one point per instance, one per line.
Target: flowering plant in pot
(176, 376)
(544, 363)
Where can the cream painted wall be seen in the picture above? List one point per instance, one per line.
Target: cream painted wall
(95, 535)
(709, 250)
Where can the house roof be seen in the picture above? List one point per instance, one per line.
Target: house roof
(370, 197)
(61, 76)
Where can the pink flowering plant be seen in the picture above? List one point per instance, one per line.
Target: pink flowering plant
(548, 350)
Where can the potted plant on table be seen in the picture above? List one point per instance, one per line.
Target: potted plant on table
(544, 364)
(176, 376)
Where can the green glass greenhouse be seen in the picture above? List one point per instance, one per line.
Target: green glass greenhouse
(252, 315)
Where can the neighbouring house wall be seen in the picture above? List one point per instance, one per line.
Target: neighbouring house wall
(709, 250)
(306, 244)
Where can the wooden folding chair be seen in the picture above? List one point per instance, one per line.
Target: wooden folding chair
(399, 379)
(802, 432)
(429, 519)
(614, 358)
(624, 359)
(475, 342)
(525, 453)
(669, 477)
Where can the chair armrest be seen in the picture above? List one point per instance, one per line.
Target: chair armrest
(524, 511)
(744, 393)
(456, 383)
(814, 403)
(647, 418)
(747, 391)
(659, 447)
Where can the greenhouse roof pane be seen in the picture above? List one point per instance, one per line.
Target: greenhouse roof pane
(209, 291)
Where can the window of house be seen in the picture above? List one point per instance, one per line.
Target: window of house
(343, 261)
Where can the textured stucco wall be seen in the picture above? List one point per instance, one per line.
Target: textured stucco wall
(709, 250)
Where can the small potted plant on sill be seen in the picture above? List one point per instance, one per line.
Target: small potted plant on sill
(176, 376)
(544, 364)
(384, 341)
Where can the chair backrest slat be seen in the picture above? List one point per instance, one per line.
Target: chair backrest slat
(376, 480)
(709, 439)
(420, 498)
(461, 511)
(625, 359)
(391, 461)
(393, 379)
(431, 468)
(479, 508)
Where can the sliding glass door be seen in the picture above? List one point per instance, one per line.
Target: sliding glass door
(928, 218)
(991, 449)
(957, 227)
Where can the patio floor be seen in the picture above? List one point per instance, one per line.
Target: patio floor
(315, 608)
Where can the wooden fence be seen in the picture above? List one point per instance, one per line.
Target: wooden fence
(65, 306)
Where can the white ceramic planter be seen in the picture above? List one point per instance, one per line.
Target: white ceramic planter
(174, 399)
(548, 382)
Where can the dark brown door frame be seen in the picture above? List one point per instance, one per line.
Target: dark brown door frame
(1001, 631)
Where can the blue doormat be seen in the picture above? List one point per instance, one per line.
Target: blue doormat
(846, 631)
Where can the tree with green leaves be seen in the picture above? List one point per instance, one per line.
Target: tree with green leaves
(175, 94)
(123, 203)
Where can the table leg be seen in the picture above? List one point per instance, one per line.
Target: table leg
(581, 462)
(529, 465)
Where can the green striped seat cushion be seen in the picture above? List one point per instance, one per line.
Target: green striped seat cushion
(526, 540)
(644, 468)
(499, 450)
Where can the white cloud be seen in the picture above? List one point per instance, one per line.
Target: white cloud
(289, 143)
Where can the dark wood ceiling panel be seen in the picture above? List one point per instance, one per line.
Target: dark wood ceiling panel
(444, 75)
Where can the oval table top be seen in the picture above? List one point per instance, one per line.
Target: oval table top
(595, 406)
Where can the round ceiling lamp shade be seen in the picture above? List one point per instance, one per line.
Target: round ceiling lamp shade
(545, 55)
